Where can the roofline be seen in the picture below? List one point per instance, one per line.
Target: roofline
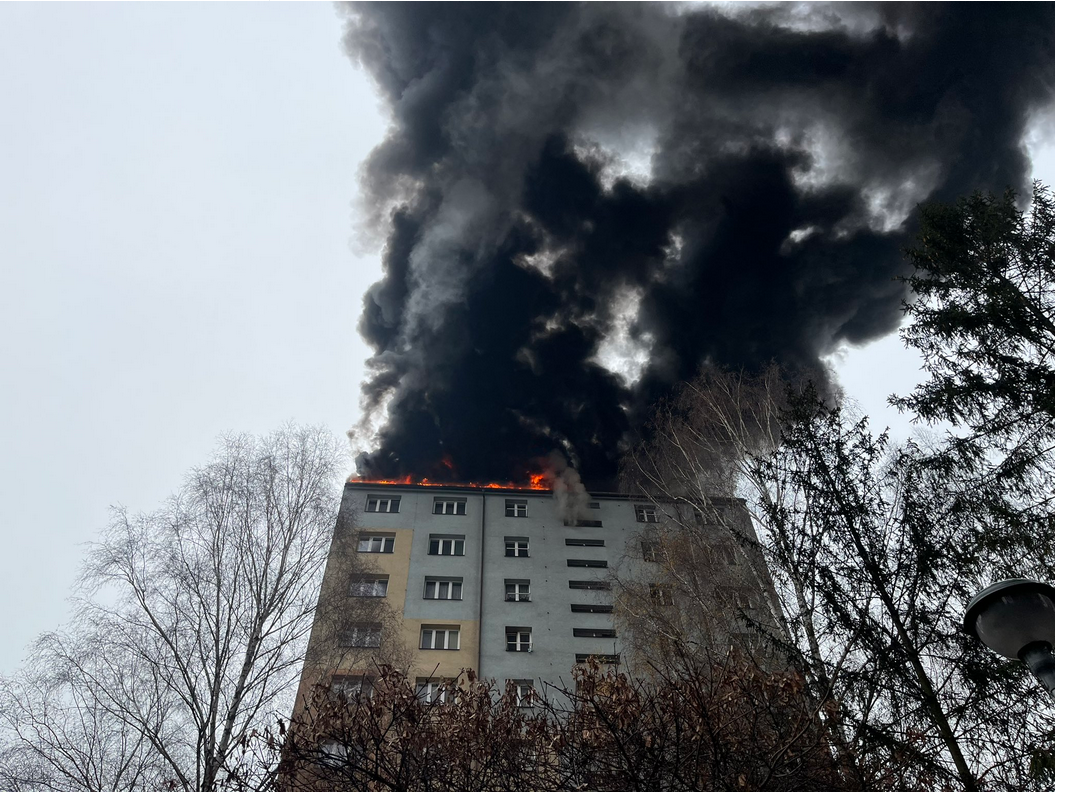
(356, 484)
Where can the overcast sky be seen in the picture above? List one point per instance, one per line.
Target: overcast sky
(176, 184)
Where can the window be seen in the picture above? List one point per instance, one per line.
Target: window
(369, 585)
(744, 598)
(516, 590)
(443, 588)
(382, 504)
(455, 546)
(584, 542)
(438, 691)
(585, 522)
(591, 607)
(365, 636)
(519, 638)
(647, 513)
(446, 638)
(723, 554)
(586, 563)
(351, 687)
(516, 547)
(593, 505)
(661, 595)
(334, 753)
(606, 659)
(580, 585)
(449, 506)
(377, 544)
(652, 551)
(594, 633)
(516, 508)
(523, 691)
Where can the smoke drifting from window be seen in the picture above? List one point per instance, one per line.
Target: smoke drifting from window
(567, 186)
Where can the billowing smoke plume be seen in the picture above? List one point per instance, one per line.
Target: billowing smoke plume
(583, 203)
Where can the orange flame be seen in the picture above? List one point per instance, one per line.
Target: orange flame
(535, 481)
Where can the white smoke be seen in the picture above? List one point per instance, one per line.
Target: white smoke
(571, 497)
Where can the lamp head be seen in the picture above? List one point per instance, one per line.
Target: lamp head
(1009, 615)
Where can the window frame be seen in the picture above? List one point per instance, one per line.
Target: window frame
(652, 550)
(587, 564)
(520, 507)
(519, 594)
(435, 691)
(595, 633)
(373, 580)
(605, 659)
(453, 541)
(392, 503)
(451, 581)
(592, 608)
(586, 542)
(441, 505)
(521, 547)
(588, 584)
(518, 645)
(352, 687)
(646, 513)
(366, 635)
(524, 690)
(447, 632)
(388, 544)
(661, 595)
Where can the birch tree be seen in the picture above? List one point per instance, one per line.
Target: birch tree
(190, 629)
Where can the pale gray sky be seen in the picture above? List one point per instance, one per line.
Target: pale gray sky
(176, 184)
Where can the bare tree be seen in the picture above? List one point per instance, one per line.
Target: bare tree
(869, 549)
(191, 625)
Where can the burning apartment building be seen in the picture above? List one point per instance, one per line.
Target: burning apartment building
(517, 585)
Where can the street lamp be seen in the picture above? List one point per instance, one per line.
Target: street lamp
(1015, 618)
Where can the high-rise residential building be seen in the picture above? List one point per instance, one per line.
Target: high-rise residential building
(516, 585)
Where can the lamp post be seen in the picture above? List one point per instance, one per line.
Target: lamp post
(1015, 618)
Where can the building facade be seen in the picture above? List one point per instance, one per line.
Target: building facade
(512, 584)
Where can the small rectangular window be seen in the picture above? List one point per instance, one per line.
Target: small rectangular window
(446, 638)
(369, 586)
(593, 505)
(444, 506)
(352, 686)
(652, 551)
(591, 607)
(594, 633)
(516, 508)
(516, 547)
(516, 590)
(364, 636)
(661, 595)
(435, 691)
(744, 598)
(582, 585)
(443, 589)
(377, 544)
(584, 542)
(519, 638)
(586, 563)
(382, 504)
(723, 554)
(523, 691)
(647, 513)
(585, 522)
(606, 659)
(447, 546)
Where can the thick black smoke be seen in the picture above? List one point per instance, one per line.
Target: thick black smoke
(651, 186)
